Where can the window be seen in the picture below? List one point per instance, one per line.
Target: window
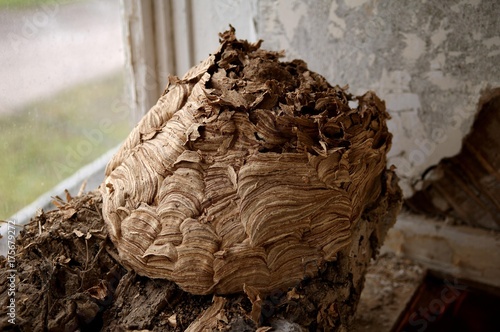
(63, 101)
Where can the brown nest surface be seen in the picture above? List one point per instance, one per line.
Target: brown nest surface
(247, 172)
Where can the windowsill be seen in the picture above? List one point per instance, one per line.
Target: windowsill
(93, 173)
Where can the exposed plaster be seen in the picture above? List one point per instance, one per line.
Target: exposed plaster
(336, 25)
(428, 60)
(415, 47)
(294, 11)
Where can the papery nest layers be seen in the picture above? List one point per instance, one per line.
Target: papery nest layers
(248, 171)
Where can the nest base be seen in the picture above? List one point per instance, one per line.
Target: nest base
(68, 278)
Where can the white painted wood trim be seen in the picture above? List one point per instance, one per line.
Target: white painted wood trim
(184, 36)
(164, 47)
(158, 43)
(139, 58)
(462, 251)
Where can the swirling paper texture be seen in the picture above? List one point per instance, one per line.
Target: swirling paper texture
(248, 171)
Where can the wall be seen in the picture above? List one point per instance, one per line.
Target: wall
(212, 17)
(429, 60)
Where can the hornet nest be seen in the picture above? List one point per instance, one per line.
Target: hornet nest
(247, 172)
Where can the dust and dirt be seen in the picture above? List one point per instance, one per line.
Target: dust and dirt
(68, 278)
(390, 283)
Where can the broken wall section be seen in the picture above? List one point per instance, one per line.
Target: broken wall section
(466, 187)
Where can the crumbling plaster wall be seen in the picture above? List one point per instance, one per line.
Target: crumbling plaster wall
(429, 60)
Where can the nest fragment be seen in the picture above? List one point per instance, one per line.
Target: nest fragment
(248, 171)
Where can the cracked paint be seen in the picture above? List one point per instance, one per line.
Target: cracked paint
(430, 62)
(336, 25)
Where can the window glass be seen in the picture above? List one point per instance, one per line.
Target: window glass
(62, 92)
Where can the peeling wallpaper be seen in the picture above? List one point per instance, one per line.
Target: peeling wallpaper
(429, 60)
